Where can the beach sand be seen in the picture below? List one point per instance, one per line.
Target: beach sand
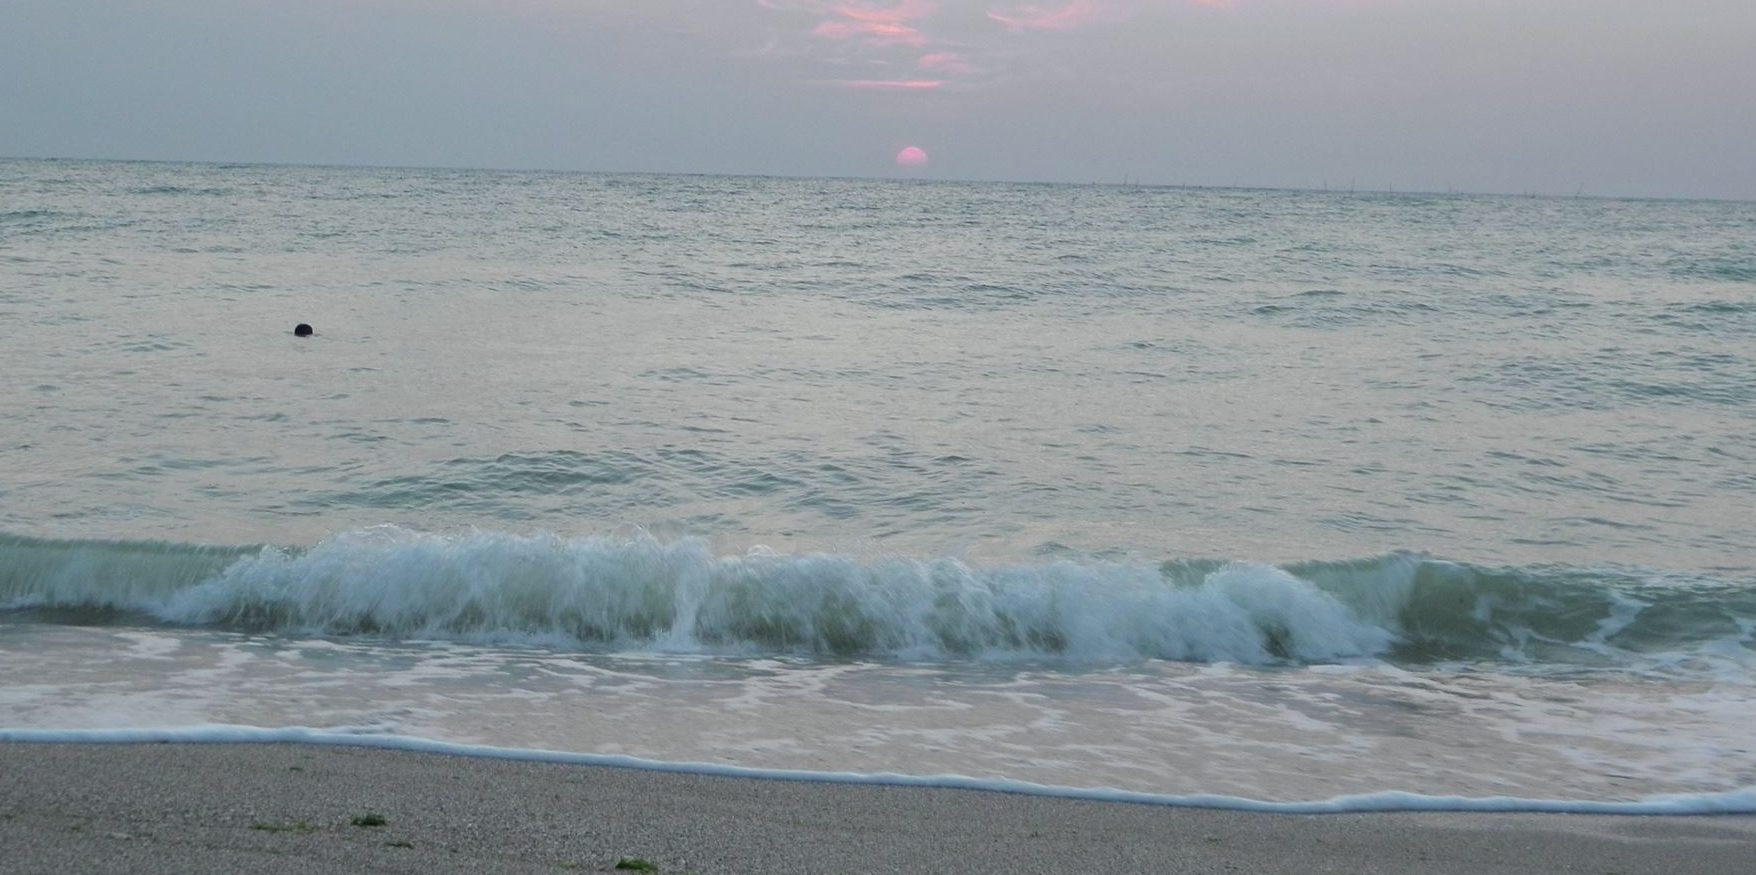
(68, 808)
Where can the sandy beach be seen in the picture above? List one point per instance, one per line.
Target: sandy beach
(292, 808)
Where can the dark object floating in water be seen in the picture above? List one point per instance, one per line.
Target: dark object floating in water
(301, 330)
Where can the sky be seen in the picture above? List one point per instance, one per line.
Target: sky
(1603, 97)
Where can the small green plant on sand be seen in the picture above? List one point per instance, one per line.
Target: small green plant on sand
(298, 826)
(369, 820)
(635, 864)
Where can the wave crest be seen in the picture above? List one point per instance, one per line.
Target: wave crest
(643, 593)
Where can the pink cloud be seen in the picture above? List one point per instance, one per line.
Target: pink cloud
(1043, 17)
(946, 62)
(880, 25)
(906, 10)
(892, 84)
(876, 33)
(884, 31)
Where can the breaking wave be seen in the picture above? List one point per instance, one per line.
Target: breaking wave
(644, 593)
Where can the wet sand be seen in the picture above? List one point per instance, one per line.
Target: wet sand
(217, 808)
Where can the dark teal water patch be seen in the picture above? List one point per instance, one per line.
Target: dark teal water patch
(28, 217)
(1728, 269)
(186, 190)
(1613, 378)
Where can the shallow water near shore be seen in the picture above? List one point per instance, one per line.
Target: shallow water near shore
(1163, 728)
(1275, 495)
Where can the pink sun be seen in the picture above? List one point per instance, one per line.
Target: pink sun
(911, 157)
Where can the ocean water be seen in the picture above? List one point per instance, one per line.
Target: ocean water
(1264, 495)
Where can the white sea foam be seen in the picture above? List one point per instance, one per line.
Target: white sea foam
(1732, 802)
(644, 593)
(678, 595)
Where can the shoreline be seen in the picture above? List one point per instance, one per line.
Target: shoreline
(290, 807)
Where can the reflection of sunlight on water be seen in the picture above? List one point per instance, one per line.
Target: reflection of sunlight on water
(1157, 727)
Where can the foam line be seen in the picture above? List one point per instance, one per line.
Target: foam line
(1729, 802)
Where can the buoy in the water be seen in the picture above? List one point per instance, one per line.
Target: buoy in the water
(301, 330)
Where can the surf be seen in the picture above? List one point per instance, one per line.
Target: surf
(642, 593)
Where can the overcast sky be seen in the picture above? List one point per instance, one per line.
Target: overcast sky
(1639, 97)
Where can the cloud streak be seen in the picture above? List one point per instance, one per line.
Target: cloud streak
(1077, 13)
(950, 63)
(877, 25)
(965, 46)
(892, 84)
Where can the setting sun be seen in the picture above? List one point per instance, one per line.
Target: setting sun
(911, 157)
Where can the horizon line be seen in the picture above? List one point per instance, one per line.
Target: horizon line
(1126, 181)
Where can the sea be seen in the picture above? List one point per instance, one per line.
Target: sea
(1292, 500)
